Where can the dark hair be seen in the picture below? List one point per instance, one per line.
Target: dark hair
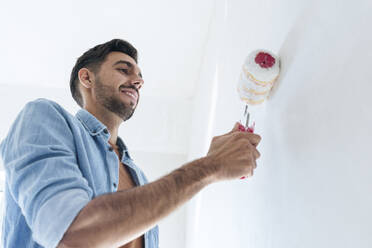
(93, 58)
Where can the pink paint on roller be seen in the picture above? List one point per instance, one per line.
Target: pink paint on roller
(264, 60)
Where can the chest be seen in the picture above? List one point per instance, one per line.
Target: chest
(125, 178)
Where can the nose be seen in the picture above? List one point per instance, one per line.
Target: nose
(137, 82)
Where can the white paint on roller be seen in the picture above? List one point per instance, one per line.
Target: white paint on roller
(247, 90)
(255, 82)
(262, 74)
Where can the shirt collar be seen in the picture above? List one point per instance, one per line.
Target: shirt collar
(90, 122)
(122, 147)
(94, 127)
(120, 144)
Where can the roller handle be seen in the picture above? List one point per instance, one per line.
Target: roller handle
(246, 129)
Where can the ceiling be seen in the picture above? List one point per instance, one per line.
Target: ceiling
(41, 40)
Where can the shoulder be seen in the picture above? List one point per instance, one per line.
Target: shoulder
(44, 104)
(40, 121)
(41, 114)
(43, 109)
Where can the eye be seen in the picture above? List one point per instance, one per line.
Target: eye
(123, 70)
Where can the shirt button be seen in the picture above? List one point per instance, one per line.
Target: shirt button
(111, 149)
(114, 185)
(105, 131)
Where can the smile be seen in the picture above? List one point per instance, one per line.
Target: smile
(134, 96)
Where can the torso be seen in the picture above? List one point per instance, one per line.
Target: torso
(126, 182)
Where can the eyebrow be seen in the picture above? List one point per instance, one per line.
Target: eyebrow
(129, 64)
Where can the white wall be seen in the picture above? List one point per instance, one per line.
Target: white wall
(156, 165)
(312, 187)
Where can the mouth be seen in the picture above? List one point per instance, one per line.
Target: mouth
(131, 93)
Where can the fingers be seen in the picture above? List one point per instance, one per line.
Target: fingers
(255, 139)
(252, 168)
(253, 165)
(256, 154)
(251, 171)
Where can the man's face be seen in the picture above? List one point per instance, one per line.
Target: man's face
(117, 84)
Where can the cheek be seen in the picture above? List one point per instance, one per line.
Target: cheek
(111, 78)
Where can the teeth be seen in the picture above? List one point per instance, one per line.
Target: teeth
(128, 93)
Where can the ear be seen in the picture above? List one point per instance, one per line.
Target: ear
(85, 77)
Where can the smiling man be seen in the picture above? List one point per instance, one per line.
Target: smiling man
(70, 180)
(110, 92)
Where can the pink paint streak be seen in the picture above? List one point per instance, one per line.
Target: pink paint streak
(264, 60)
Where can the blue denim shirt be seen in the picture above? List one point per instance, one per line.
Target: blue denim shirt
(56, 163)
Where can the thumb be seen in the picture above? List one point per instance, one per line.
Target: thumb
(237, 127)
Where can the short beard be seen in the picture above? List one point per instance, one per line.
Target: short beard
(106, 97)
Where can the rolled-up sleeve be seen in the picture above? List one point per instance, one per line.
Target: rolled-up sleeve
(42, 171)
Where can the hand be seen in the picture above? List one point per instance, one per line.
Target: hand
(233, 154)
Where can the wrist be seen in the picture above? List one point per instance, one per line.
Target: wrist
(206, 169)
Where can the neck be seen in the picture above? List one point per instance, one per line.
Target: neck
(109, 119)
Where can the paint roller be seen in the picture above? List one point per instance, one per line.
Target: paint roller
(259, 72)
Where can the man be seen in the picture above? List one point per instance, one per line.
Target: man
(70, 181)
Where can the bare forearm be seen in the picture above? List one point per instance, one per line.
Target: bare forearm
(115, 219)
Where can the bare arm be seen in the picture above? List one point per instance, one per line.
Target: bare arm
(112, 220)
(115, 219)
